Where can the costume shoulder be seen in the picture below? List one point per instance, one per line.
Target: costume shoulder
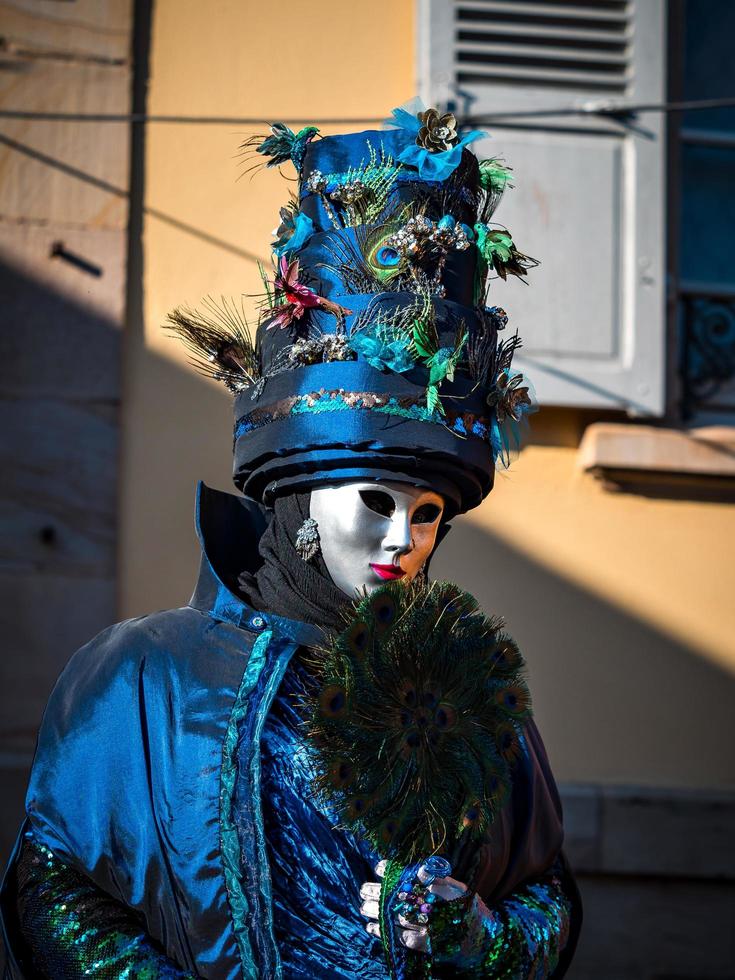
(126, 778)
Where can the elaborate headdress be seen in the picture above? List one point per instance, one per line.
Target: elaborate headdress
(375, 355)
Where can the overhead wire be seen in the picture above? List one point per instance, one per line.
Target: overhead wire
(607, 107)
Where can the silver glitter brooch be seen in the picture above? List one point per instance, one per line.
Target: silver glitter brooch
(317, 350)
(307, 540)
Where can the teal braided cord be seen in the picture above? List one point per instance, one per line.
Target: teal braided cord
(229, 839)
(73, 929)
(275, 676)
(523, 936)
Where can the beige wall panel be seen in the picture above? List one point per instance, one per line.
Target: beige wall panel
(73, 173)
(62, 322)
(95, 30)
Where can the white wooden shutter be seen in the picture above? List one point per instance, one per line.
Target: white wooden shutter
(590, 193)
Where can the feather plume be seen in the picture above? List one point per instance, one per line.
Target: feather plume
(486, 356)
(219, 341)
(495, 177)
(360, 194)
(498, 252)
(398, 321)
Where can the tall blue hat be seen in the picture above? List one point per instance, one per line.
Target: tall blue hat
(375, 355)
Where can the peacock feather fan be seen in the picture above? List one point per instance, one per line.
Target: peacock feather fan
(220, 342)
(416, 719)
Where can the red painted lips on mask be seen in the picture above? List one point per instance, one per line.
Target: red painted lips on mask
(387, 572)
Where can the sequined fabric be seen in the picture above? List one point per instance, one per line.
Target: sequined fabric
(522, 937)
(340, 400)
(73, 930)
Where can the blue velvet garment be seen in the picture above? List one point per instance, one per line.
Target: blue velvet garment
(316, 870)
(171, 773)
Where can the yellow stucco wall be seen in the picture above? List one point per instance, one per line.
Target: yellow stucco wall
(623, 604)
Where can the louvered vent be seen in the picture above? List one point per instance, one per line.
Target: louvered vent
(584, 44)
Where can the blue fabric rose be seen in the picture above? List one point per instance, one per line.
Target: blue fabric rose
(382, 352)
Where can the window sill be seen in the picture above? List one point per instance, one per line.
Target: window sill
(664, 462)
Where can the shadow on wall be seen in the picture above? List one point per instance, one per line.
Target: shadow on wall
(616, 700)
(59, 405)
(59, 476)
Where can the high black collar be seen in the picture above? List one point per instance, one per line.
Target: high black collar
(229, 529)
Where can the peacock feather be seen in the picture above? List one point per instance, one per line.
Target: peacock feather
(220, 342)
(416, 719)
(383, 258)
(367, 262)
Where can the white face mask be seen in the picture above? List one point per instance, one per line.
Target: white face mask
(372, 533)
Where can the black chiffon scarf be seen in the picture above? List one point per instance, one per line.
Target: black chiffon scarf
(285, 584)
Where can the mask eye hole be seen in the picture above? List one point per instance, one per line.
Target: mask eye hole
(378, 501)
(426, 514)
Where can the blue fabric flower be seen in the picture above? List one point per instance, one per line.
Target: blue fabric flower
(437, 166)
(431, 166)
(293, 234)
(381, 352)
(407, 118)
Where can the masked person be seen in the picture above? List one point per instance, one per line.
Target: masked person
(175, 824)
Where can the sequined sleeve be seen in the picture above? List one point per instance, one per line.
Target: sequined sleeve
(74, 930)
(521, 937)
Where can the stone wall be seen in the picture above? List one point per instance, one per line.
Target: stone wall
(63, 247)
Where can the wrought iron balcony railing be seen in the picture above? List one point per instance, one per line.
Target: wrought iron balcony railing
(707, 350)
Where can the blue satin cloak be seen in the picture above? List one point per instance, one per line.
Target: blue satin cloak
(171, 772)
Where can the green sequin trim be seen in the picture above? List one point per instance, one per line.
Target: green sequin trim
(340, 400)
